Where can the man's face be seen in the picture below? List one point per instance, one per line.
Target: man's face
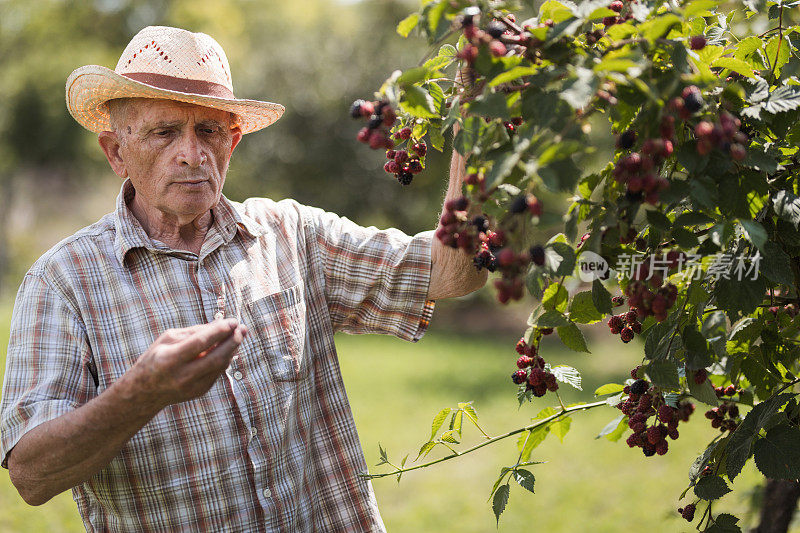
(176, 154)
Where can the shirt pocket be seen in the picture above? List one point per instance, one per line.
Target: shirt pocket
(277, 335)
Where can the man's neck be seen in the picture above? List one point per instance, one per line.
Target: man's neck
(179, 233)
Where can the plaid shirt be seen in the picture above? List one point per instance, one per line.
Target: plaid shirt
(273, 445)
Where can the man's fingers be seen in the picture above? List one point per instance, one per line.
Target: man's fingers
(218, 358)
(204, 337)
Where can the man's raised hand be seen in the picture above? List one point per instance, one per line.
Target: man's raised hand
(184, 363)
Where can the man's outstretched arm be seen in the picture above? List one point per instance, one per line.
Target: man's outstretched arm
(452, 271)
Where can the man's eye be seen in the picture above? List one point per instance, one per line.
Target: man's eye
(163, 133)
(208, 131)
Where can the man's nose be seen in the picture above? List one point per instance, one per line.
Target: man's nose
(191, 152)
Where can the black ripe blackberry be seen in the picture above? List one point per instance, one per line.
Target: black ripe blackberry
(639, 386)
(355, 109)
(519, 204)
(631, 196)
(480, 223)
(495, 29)
(405, 177)
(627, 140)
(537, 255)
(375, 121)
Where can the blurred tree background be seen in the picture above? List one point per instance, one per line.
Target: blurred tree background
(313, 56)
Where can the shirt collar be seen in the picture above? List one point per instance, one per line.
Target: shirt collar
(228, 221)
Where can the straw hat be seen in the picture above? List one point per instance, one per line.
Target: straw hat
(169, 63)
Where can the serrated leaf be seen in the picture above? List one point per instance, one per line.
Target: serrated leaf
(776, 264)
(703, 392)
(559, 259)
(572, 337)
(601, 297)
(787, 206)
(452, 436)
(702, 460)
(405, 26)
(736, 65)
(555, 297)
(499, 501)
(561, 427)
(755, 233)
(525, 478)
(438, 420)
(512, 74)
(582, 309)
(608, 388)
(724, 523)
(777, 454)
(611, 427)
(426, 449)
(663, 374)
(530, 440)
(552, 319)
(567, 374)
(711, 488)
(418, 102)
(740, 444)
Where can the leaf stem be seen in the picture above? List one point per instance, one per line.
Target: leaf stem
(492, 440)
(780, 41)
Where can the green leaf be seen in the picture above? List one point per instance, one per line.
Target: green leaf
(658, 219)
(525, 478)
(659, 342)
(663, 374)
(608, 388)
(572, 338)
(777, 454)
(499, 501)
(659, 27)
(787, 206)
(724, 523)
(736, 65)
(702, 460)
(601, 298)
(611, 427)
(559, 259)
(567, 374)
(561, 427)
(703, 392)
(492, 105)
(739, 297)
(777, 51)
(740, 444)
(555, 297)
(452, 436)
(438, 420)
(697, 350)
(711, 488)
(531, 440)
(407, 24)
(582, 309)
(579, 90)
(552, 319)
(697, 7)
(755, 233)
(554, 10)
(513, 74)
(776, 264)
(418, 102)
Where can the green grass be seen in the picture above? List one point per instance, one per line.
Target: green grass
(395, 389)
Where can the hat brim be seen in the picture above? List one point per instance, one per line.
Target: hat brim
(90, 87)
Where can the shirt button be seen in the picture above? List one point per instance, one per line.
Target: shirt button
(218, 315)
(237, 375)
(267, 493)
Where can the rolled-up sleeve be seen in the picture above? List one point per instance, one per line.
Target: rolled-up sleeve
(48, 363)
(376, 281)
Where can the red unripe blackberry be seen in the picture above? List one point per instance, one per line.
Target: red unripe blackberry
(633, 440)
(363, 135)
(673, 433)
(662, 447)
(546, 331)
(632, 162)
(390, 154)
(537, 376)
(733, 410)
(519, 377)
(420, 148)
(738, 152)
(616, 321)
(629, 317)
(534, 206)
(517, 121)
(610, 21)
(616, 5)
(710, 414)
(645, 404)
(403, 134)
(400, 157)
(635, 372)
(389, 116)
(524, 361)
(540, 390)
(626, 334)
(665, 413)
(457, 204)
(538, 361)
(697, 42)
(700, 376)
(521, 345)
(616, 301)
(414, 166)
(469, 53)
(636, 326)
(552, 385)
(377, 139)
(391, 167)
(648, 449)
(639, 386)
(615, 330)
(510, 128)
(537, 255)
(506, 257)
(703, 129)
(715, 423)
(688, 512)
(361, 108)
(497, 48)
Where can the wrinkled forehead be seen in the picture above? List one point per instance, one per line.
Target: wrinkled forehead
(145, 110)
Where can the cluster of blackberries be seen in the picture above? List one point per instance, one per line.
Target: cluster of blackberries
(690, 102)
(404, 165)
(730, 390)
(644, 402)
(538, 380)
(623, 10)
(789, 309)
(489, 36)
(725, 417)
(511, 125)
(687, 513)
(647, 302)
(625, 325)
(723, 135)
(638, 170)
(453, 228)
(381, 117)
(513, 266)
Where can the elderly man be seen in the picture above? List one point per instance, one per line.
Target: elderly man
(173, 363)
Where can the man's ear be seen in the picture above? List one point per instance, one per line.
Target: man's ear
(236, 133)
(110, 144)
